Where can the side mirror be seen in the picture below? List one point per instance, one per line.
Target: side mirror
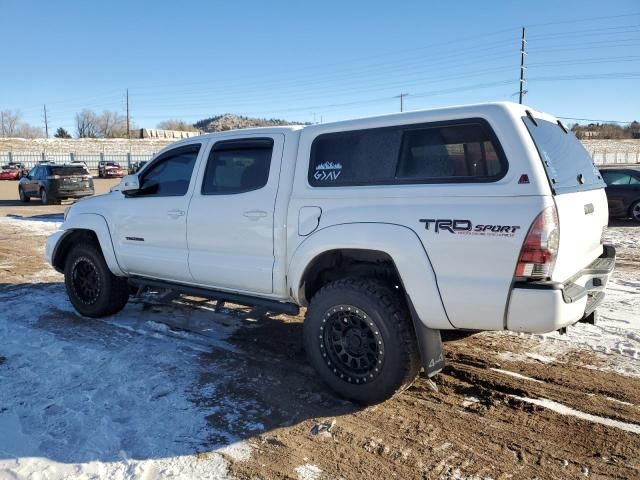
(129, 184)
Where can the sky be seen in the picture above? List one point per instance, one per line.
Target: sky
(315, 61)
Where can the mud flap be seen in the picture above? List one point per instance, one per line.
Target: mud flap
(429, 344)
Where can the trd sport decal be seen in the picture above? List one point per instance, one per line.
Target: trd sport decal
(465, 227)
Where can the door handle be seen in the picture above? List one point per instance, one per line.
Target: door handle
(255, 214)
(176, 213)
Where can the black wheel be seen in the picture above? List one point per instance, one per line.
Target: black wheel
(634, 211)
(23, 197)
(44, 197)
(358, 336)
(93, 290)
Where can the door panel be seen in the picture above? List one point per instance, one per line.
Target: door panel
(231, 215)
(150, 228)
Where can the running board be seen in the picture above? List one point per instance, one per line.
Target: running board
(219, 295)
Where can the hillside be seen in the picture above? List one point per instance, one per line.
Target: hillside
(230, 121)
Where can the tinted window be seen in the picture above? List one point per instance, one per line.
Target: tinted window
(568, 165)
(68, 171)
(237, 166)
(170, 174)
(616, 178)
(457, 153)
(452, 152)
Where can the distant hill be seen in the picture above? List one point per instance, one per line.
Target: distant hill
(229, 121)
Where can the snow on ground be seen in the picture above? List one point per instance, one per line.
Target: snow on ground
(113, 398)
(37, 225)
(623, 236)
(616, 335)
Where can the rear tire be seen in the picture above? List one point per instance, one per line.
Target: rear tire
(44, 197)
(92, 289)
(359, 337)
(23, 197)
(634, 211)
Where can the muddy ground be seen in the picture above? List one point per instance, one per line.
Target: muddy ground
(473, 424)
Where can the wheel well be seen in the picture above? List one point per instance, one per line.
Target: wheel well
(71, 239)
(335, 264)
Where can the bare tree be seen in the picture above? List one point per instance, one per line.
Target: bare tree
(9, 122)
(173, 124)
(25, 130)
(87, 124)
(111, 124)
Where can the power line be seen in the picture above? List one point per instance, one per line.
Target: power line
(595, 120)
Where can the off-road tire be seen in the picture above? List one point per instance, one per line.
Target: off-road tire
(387, 314)
(24, 198)
(634, 211)
(109, 293)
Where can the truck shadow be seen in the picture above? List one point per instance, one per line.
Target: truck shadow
(138, 386)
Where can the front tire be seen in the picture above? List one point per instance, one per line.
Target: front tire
(23, 197)
(358, 336)
(634, 211)
(92, 289)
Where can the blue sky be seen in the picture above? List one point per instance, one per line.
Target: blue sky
(307, 61)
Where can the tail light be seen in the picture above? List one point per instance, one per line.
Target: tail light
(540, 247)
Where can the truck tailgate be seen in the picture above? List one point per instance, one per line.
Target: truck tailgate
(582, 216)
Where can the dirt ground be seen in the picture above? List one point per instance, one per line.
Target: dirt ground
(476, 421)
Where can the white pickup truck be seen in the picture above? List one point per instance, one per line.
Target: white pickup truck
(388, 229)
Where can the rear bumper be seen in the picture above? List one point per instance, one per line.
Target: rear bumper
(539, 307)
(72, 193)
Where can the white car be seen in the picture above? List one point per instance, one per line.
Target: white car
(388, 229)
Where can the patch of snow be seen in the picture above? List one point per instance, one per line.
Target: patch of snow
(617, 331)
(611, 399)
(468, 401)
(564, 410)
(35, 225)
(516, 375)
(308, 472)
(114, 398)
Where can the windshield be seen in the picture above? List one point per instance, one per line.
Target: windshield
(568, 165)
(68, 171)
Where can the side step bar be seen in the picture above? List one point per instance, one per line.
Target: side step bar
(239, 298)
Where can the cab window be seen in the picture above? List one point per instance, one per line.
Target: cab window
(170, 174)
(237, 166)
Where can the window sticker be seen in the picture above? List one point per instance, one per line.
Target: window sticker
(327, 171)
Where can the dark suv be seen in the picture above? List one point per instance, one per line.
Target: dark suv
(623, 191)
(52, 183)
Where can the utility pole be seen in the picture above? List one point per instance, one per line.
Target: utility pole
(46, 123)
(401, 97)
(522, 67)
(128, 131)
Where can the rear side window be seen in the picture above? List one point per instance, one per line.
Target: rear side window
(237, 166)
(68, 171)
(444, 152)
(568, 165)
(619, 178)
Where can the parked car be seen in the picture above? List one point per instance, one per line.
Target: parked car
(53, 183)
(137, 166)
(388, 229)
(623, 191)
(110, 170)
(12, 171)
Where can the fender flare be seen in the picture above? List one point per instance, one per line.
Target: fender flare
(399, 242)
(98, 225)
